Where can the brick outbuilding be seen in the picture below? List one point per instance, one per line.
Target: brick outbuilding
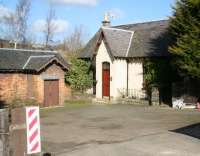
(35, 75)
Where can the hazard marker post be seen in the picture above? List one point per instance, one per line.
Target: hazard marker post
(25, 132)
(33, 130)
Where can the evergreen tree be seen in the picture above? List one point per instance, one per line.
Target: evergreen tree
(185, 30)
(79, 76)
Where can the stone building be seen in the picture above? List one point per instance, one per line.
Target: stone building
(118, 54)
(32, 74)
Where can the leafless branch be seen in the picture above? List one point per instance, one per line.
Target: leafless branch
(75, 41)
(50, 26)
(17, 22)
(22, 12)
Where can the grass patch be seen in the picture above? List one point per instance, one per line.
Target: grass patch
(69, 105)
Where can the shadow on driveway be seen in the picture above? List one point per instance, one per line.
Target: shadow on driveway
(191, 130)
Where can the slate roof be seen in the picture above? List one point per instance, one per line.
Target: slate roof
(148, 39)
(89, 49)
(118, 41)
(27, 60)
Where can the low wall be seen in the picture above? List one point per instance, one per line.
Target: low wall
(4, 131)
(187, 89)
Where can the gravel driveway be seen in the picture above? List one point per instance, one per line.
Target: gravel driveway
(121, 130)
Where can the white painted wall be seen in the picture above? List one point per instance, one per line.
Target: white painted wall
(119, 77)
(118, 73)
(135, 79)
(102, 56)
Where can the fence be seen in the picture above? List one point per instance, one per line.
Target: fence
(133, 93)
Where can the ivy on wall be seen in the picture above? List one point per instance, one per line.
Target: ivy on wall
(159, 73)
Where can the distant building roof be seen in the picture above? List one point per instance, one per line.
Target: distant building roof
(28, 60)
(148, 39)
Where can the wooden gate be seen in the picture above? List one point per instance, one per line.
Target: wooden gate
(51, 93)
(106, 79)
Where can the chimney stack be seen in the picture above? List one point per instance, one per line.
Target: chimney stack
(106, 21)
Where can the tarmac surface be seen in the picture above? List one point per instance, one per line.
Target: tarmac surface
(121, 130)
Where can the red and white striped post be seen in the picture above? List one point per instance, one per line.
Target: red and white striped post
(33, 130)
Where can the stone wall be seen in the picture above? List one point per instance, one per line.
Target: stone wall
(54, 71)
(12, 86)
(103, 56)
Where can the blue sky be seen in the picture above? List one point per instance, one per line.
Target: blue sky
(89, 13)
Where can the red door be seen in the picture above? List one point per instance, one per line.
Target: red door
(106, 80)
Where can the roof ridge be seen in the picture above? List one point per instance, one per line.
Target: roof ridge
(118, 29)
(29, 50)
(147, 22)
(129, 45)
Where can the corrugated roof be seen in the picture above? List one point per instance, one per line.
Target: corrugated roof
(22, 60)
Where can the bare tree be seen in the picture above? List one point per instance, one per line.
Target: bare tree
(16, 23)
(7, 22)
(50, 27)
(75, 41)
(22, 12)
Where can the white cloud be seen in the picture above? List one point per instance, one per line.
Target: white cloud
(5, 12)
(116, 13)
(59, 24)
(39, 25)
(75, 2)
